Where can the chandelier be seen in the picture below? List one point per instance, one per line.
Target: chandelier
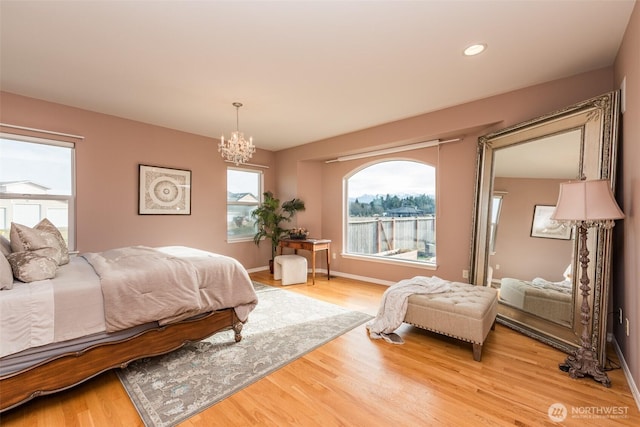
(236, 149)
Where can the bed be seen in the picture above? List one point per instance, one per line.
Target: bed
(548, 300)
(58, 332)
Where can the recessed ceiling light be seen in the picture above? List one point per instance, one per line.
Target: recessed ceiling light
(475, 49)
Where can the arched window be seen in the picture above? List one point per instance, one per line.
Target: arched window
(391, 212)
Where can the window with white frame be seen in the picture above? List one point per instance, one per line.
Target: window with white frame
(496, 206)
(244, 192)
(391, 212)
(37, 179)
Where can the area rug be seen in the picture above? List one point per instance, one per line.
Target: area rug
(284, 326)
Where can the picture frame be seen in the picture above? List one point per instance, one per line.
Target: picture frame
(164, 191)
(545, 227)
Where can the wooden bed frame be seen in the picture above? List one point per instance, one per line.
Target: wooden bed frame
(67, 370)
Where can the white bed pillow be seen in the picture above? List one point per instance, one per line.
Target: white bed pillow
(43, 235)
(29, 266)
(6, 275)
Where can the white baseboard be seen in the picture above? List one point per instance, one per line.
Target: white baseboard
(627, 374)
(335, 273)
(361, 278)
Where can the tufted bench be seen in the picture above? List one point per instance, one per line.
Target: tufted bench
(466, 312)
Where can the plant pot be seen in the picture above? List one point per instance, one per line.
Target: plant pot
(271, 266)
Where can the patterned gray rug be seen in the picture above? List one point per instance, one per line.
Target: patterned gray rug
(284, 326)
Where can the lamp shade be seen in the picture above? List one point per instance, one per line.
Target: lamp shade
(586, 201)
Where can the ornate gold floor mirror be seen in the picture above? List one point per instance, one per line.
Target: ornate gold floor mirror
(517, 248)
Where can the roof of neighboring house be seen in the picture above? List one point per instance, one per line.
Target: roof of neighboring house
(33, 184)
(241, 197)
(404, 211)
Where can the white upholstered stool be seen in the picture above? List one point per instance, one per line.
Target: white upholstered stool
(290, 269)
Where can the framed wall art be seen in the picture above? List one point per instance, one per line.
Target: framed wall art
(164, 191)
(544, 226)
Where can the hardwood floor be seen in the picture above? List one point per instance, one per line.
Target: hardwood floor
(355, 381)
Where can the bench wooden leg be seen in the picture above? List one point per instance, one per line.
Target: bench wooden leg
(477, 352)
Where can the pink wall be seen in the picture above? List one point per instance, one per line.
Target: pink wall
(626, 276)
(517, 253)
(107, 180)
(456, 168)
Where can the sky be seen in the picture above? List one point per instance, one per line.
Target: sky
(42, 164)
(239, 181)
(394, 177)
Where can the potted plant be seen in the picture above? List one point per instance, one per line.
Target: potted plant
(269, 218)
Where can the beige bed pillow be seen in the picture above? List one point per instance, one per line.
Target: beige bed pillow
(47, 226)
(29, 266)
(6, 276)
(43, 235)
(5, 245)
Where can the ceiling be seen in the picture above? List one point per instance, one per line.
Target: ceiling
(305, 71)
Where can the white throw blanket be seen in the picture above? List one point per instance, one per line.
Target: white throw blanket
(394, 302)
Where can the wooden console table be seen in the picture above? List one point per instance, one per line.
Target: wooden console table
(312, 245)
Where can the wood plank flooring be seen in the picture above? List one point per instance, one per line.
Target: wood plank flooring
(355, 381)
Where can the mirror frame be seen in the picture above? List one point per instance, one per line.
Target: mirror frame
(598, 120)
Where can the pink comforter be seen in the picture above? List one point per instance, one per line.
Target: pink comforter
(141, 284)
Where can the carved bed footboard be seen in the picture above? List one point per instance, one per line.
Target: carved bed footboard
(68, 370)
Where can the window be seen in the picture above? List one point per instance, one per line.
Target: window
(391, 212)
(244, 190)
(496, 206)
(37, 181)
